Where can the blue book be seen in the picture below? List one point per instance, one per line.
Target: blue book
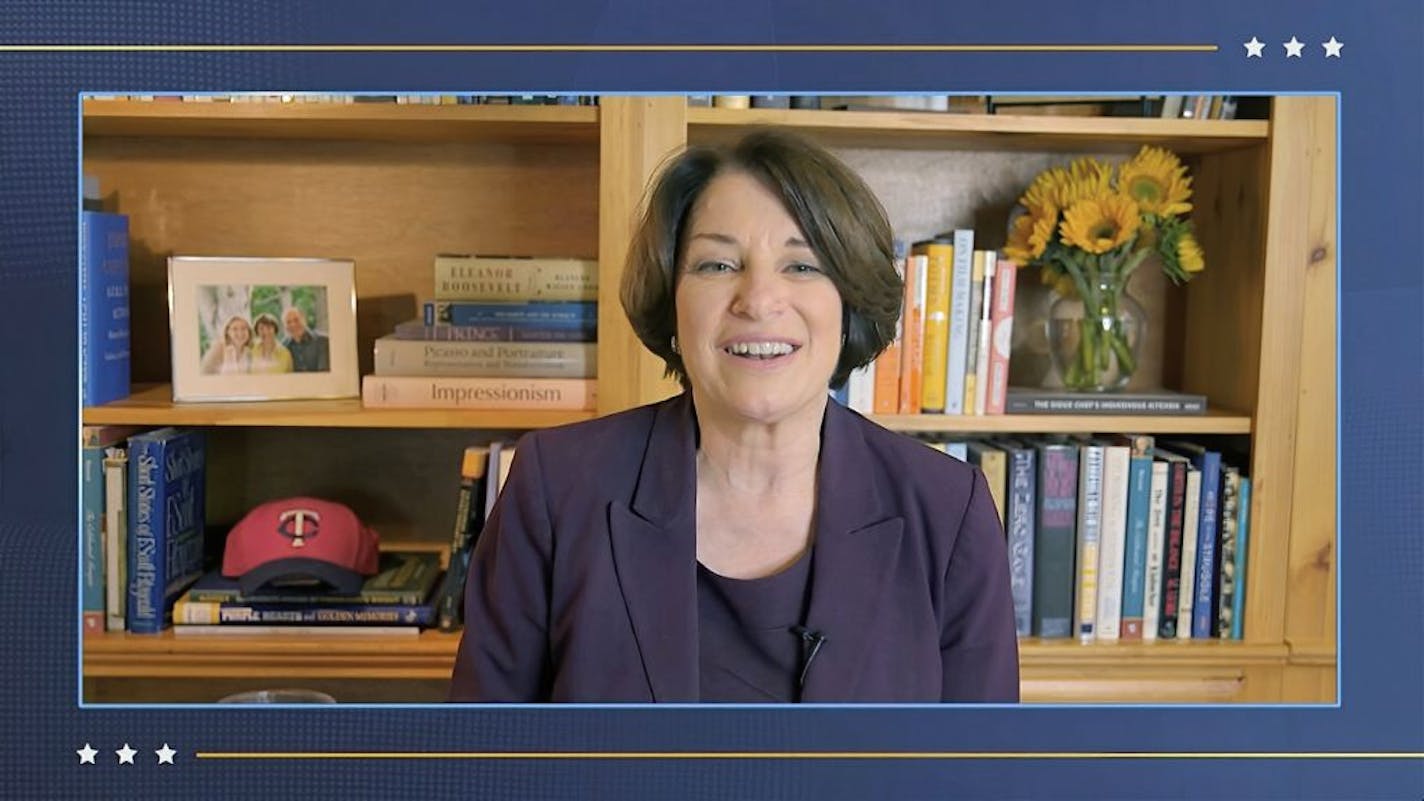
(1134, 562)
(166, 518)
(1243, 530)
(1054, 543)
(417, 329)
(1204, 598)
(1019, 526)
(104, 307)
(576, 314)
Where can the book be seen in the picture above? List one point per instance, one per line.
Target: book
(242, 613)
(1054, 541)
(116, 535)
(104, 307)
(93, 441)
(985, 343)
(1226, 553)
(1208, 462)
(1172, 547)
(1191, 526)
(293, 631)
(439, 392)
(1002, 336)
(1243, 540)
(888, 364)
(1112, 539)
(509, 278)
(971, 357)
(1019, 527)
(578, 315)
(1156, 548)
(167, 478)
(957, 345)
(469, 521)
(1090, 507)
(860, 389)
(1022, 400)
(402, 577)
(1134, 559)
(912, 335)
(939, 270)
(418, 330)
(396, 356)
(993, 463)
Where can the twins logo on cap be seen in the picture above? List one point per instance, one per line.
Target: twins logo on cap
(298, 542)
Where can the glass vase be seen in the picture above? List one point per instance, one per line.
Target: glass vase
(1094, 340)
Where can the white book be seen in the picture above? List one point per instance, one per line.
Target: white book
(1112, 541)
(1190, 524)
(981, 364)
(1156, 539)
(1090, 507)
(860, 389)
(959, 281)
(116, 530)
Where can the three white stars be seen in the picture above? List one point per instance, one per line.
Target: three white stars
(1293, 47)
(1256, 48)
(126, 755)
(1332, 48)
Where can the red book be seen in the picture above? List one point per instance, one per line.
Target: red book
(1001, 320)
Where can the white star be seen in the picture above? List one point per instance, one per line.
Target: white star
(165, 755)
(1253, 48)
(86, 754)
(1332, 48)
(126, 755)
(1293, 48)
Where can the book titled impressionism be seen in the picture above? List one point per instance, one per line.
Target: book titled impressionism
(166, 520)
(421, 392)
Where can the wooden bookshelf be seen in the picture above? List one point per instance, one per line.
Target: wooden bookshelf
(153, 405)
(389, 185)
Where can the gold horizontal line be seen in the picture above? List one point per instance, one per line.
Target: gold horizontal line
(611, 48)
(802, 755)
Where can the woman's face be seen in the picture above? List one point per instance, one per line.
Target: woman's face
(267, 331)
(238, 332)
(758, 322)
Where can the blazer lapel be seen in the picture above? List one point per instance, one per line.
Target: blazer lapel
(857, 544)
(655, 555)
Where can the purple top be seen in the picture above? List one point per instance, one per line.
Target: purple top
(748, 651)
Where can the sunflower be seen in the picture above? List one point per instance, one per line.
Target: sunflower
(1190, 255)
(1089, 178)
(1099, 224)
(1046, 191)
(1030, 234)
(1156, 179)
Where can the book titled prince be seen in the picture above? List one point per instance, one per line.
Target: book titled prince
(166, 519)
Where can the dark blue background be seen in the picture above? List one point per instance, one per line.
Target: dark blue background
(1382, 367)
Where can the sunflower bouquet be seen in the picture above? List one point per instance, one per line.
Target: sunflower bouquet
(1087, 227)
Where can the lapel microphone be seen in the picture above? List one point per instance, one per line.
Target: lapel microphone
(811, 642)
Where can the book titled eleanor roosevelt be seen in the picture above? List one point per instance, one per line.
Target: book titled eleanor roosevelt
(435, 392)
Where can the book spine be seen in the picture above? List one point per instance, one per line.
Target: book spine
(1021, 534)
(1090, 506)
(1111, 542)
(888, 363)
(1226, 554)
(476, 278)
(958, 343)
(1054, 545)
(104, 307)
(469, 519)
(1030, 404)
(418, 330)
(1243, 541)
(1134, 564)
(985, 346)
(147, 569)
(971, 358)
(116, 535)
(1204, 600)
(1172, 551)
(411, 357)
(417, 392)
(1156, 546)
(535, 315)
(92, 543)
(186, 612)
(912, 338)
(1005, 279)
(862, 389)
(938, 276)
(1191, 524)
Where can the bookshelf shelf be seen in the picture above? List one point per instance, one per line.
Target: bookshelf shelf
(355, 121)
(431, 655)
(1214, 422)
(153, 405)
(982, 131)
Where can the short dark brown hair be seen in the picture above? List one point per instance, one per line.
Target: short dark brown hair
(844, 224)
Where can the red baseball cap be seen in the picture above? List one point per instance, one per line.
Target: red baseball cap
(298, 541)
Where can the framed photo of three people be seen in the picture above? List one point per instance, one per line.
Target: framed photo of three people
(248, 329)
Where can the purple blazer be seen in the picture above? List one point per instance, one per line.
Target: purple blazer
(583, 585)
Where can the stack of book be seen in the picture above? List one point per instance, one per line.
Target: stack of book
(500, 333)
(483, 470)
(951, 353)
(396, 600)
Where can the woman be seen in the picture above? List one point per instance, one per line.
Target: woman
(269, 355)
(747, 540)
(234, 353)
